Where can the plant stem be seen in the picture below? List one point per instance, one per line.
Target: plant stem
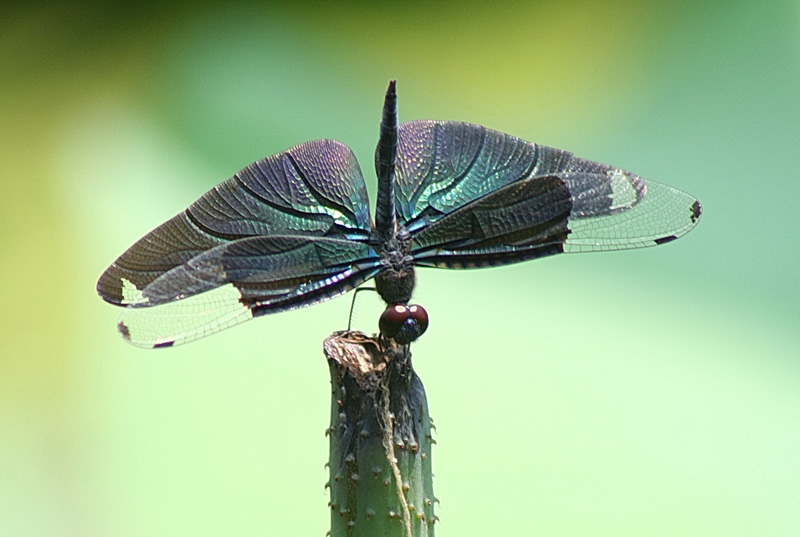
(380, 441)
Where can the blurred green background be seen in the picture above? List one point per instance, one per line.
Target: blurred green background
(653, 393)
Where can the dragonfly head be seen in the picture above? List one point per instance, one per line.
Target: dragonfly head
(402, 323)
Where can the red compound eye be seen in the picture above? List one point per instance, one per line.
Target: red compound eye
(392, 319)
(403, 323)
(419, 314)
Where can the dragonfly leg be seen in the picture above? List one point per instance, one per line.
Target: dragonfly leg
(353, 304)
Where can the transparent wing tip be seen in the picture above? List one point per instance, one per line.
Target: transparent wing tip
(661, 215)
(184, 320)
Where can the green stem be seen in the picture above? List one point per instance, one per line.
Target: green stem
(380, 441)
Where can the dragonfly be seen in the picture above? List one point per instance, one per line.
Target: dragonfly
(295, 229)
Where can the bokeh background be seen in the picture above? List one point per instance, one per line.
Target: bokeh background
(654, 392)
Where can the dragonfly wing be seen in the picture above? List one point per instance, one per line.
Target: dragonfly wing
(246, 278)
(314, 189)
(471, 197)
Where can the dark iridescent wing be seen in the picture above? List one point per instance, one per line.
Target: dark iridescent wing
(246, 278)
(471, 196)
(286, 231)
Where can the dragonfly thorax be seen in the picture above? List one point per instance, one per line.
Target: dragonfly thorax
(395, 281)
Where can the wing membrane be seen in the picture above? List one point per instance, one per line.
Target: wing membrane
(443, 165)
(314, 189)
(249, 277)
(659, 214)
(519, 221)
(471, 196)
